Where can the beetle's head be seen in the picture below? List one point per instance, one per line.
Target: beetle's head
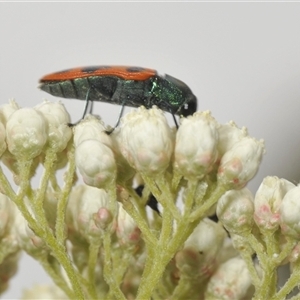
(190, 101)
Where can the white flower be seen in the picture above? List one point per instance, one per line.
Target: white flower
(125, 172)
(229, 134)
(59, 133)
(87, 211)
(239, 164)
(91, 128)
(267, 202)
(199, 256)
(235, 210)
(8, 267)
(146, 140)
(127, 230)
(7, 109)
(26, 133)
(26, 238)
(3, 145)
(50, 292)
(231, 281)
(290, 213)
(96, 163)
(196, 145)
(7, 214)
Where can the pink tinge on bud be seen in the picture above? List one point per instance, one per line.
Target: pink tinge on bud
(26, 238)
(88, 212)
(290, 213)
(239, 164)
(196, 145)
(127, 230)
(295, 254)
(231, 280)
(199, 256)
(146, 140)
(235, 210)
(26, 133)
(103, 217)
(96, 163)
(267, 202)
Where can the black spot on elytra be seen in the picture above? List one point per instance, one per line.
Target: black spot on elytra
(94, 68)
(134, 69)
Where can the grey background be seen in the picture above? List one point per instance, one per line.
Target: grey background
(240, 59)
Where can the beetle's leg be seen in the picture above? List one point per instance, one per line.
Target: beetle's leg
(88, 104)
(119, 119)
(87, 109)
(175, 121)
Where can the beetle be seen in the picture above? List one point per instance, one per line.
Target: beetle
(123, 85)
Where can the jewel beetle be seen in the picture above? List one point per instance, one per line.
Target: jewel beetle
(126, 86)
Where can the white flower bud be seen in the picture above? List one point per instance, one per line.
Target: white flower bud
(235, 210)
(59, 133)
(26, 238)
(199, 256)
(231, 281)
(267, 202)
(196, 145)
(3, 145)
(290, 213)
(88, 212)
(96, 163)
(44, 292)
(125, 172)
(295, 254)
(240, 163)
(7, 214)
(26, 133)
(229, 134)
(127, 230)
(146, 140)
(91, 128)
(7, 109)
(8, 268)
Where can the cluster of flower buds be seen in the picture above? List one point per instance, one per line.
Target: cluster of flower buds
(98, 240)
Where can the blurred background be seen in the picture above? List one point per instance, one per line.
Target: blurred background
(241, 60)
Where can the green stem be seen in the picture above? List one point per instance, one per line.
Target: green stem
(163, 196)
(108, 271)
(60, 254)
(60, 231)
(199, 213)
(247, 257)
(57, 278)
(93, 257)
(162, 257)
(38, 205)
(6, 187)
(141, 223)
(189, 199)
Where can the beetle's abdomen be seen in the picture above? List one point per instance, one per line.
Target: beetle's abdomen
(95, 87)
